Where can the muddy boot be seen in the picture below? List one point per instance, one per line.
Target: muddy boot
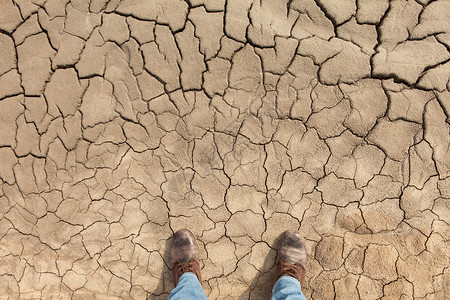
(291, 259)
(184, 255)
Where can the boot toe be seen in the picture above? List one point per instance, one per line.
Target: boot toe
(184, 247)
(292, 249)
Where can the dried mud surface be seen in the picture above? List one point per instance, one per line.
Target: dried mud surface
(123, 121)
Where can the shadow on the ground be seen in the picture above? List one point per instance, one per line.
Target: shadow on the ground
(261, 286)
(166, 276)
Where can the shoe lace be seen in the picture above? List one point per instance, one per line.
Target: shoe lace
(286, 269)
(186, 266)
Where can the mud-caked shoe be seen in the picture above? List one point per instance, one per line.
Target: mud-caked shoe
(184, 255)
(292, 257)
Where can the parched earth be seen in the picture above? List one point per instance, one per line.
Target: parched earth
(124, 121)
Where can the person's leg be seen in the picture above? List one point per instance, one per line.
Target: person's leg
(287, 287)
(291, 263)
(188, 287)
(185, 267)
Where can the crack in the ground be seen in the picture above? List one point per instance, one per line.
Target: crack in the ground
(124, 121)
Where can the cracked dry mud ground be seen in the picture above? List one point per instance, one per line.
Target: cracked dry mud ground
(123, 121)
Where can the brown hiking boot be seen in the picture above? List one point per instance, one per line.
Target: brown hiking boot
(291, 259)
(184, 255)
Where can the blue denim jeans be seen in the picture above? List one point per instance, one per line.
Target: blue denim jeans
(189, 288)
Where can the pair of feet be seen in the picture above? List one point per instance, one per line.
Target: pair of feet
(291, 259)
